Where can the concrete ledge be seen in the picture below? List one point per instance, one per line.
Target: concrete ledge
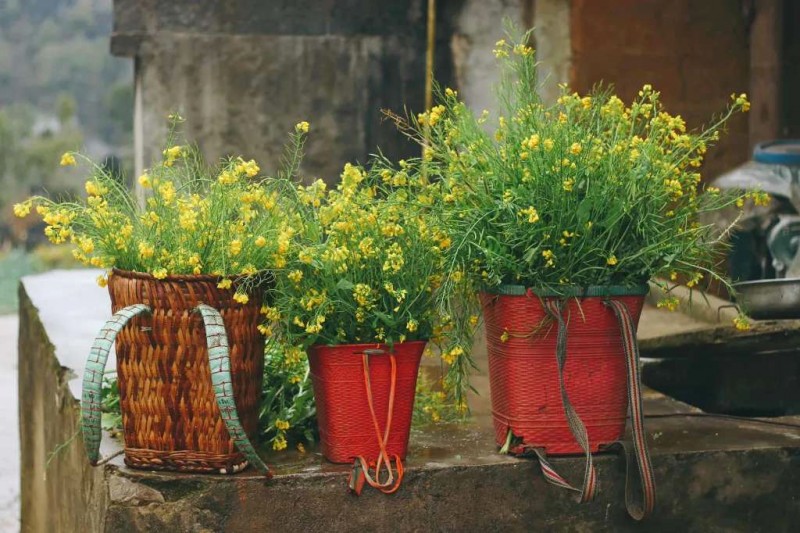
(713, 474)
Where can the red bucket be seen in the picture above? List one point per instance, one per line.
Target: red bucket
(523, 370)
(346, 427)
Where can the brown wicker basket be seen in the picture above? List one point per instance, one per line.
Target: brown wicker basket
(170, 418)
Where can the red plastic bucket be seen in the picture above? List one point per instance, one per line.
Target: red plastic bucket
(523, 369)
(346, 426)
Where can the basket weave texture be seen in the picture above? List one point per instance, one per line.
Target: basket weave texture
(523, 371)
(169, 414)
(345, 424)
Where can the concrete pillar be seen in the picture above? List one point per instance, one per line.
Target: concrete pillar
(244, 72)
(766, 38)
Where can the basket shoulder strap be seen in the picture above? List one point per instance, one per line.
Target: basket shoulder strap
(220, 364)
(638, 506)
(361, 468)
(553, 307)
(91, 396)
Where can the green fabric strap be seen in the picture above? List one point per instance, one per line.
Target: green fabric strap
(220, 363)
(91, 412)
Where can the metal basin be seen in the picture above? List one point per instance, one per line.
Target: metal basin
(770, 298)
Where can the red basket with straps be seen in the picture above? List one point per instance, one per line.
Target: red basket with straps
(523, 368)
(344, 378)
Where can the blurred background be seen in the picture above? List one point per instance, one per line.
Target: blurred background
(60, 89)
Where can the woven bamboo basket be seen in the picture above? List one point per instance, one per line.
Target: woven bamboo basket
(523, 370)
(170, 418)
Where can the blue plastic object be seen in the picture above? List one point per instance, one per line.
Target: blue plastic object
(778, 152)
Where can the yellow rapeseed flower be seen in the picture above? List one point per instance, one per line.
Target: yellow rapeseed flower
(225, 284)
(612, 260)
(742, 323)
(160, 273)
(241, 297)
(302, 127)
(67, 160)
(531, 213)
(22, 209)
(144, 181)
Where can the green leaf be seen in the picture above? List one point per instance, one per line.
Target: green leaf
(345, 285)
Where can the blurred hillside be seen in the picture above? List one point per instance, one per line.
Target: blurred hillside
(60, 89)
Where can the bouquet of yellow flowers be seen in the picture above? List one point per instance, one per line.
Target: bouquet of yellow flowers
(224, 220)
(367, 267)
(588, 191)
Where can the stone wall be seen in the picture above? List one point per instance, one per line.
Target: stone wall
(244, 72)
(68, 494)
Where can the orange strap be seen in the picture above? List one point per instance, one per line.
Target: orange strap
(361, 468)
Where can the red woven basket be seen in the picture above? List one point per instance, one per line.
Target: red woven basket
(523, 370)
(345, 424)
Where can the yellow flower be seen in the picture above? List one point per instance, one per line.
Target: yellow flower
(102, 280)
(224, 284)
(241, 297)
(160, 273)
(302, 127)
(612, 260)
(505, 336)
(568, 184)
(473, 320)
(67, 160)
(282, 425)
(295, 276)
(742, 101)
(673, 275)
(305, 257)
(235, 247)
(671, 303)
(23, 209)
(261, 241)
(226, 177)
(94, 189)
(146, 251)
(144, 181)
(742, 323)
(279, 443)
(412, 325)
(548, 144)
(171, 154)
(532, 214)
(167, 192)
(575, 149)
(249, 168)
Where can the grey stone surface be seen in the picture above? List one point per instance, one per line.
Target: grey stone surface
(713, 474)
(9, 436)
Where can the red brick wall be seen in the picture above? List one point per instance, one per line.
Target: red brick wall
(695, 52)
